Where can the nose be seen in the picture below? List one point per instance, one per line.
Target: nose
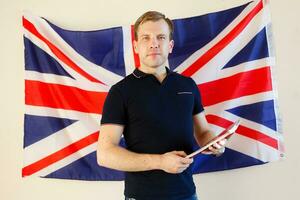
(154, 43)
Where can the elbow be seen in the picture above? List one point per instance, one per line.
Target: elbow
(101, 154)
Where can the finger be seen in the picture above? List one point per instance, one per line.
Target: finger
(187, 160)
(207, 152)
(217, 146)
(222, 142)
(217, 149)
(213, 150)
(183, 166)
(222, 150)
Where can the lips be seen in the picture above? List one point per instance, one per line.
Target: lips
(153, 54)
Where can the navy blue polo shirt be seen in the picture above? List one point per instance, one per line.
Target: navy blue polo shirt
(157, 118)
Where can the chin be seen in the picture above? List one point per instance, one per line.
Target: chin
(155, 65)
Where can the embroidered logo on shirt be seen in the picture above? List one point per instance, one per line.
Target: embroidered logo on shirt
(184, 93)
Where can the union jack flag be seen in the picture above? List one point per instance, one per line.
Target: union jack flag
(68, 74)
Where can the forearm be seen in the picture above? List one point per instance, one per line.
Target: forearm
(119, 158)
(203, 138)
(111, 155)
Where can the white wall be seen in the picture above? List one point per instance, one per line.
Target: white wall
(274, 181)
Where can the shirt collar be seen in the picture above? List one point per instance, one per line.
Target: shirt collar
(139, 74)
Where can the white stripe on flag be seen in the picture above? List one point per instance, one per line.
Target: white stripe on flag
(236, 102)
(244, 67)
(64, 80)
(61, 113)
(128, 50)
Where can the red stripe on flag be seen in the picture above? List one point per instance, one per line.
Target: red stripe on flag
(238, 85)
(31, 28)
(212, 52)
(59, 155)
(245, 131)
(135, 55)
(65, 97)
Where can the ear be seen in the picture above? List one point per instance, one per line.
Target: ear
(171, 45)
(135, 47)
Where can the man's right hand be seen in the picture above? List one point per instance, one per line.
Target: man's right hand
(174, 162)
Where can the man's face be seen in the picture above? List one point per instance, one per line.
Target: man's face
(153, 43)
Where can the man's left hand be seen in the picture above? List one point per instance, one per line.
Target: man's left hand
(217, 148)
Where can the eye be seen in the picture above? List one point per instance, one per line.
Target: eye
(162, 37)
(145, 38)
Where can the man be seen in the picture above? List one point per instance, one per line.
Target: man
(159, 112)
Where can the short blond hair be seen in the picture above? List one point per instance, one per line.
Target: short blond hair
(153, 16)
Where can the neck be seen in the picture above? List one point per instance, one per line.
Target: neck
(159, 71)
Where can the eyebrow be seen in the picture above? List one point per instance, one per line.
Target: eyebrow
(145, 34)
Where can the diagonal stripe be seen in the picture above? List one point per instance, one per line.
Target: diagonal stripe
(256, 48)
(190, 36)
(63, 80)
(101, 48)
(43, 46)
(253, 148)
(38, 60)
(31, 28)
(245, 131)
(60, 139)
(64, 97)
(61, 113)
(106, 76)
(215, 40)
(250, 82)
(59, 155)
(245, 122)
(37, 128)
(67, 161)
(248, 145)
(215, 65)
(246, 66)
(245, 100)
(207, 56)
(264, 113)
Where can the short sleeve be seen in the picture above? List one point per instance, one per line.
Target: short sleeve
(198, 107)
(114, 111)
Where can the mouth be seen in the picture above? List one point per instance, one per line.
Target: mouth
(153, 54)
